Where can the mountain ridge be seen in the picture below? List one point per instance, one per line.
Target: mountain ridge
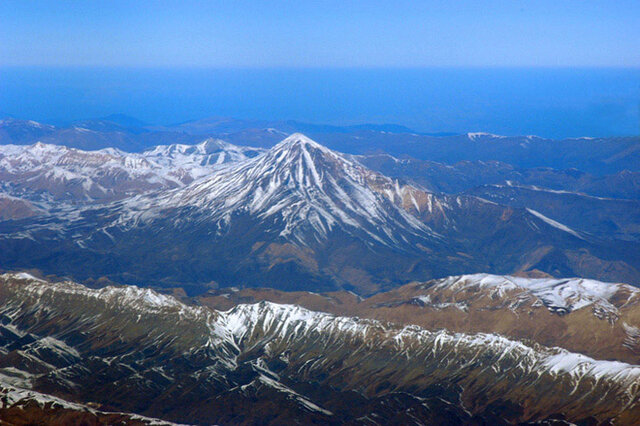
(306, 360)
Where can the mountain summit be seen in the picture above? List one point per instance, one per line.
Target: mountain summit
(303, 191)
(299, 139)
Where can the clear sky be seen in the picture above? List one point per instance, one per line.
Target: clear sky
(318, 33)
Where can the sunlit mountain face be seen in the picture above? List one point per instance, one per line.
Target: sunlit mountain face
(211, 283)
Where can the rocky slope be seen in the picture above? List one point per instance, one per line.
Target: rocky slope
(133, 350)
(591, 317)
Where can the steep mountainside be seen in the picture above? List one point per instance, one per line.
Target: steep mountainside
(598, 319)
(133, 350)
(301, 213)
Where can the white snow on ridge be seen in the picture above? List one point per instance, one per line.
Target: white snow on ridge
(199, 159)
(578, 366)
(555, 224)
(289, 321)
(142, 298)
(568, 293)
(303, 401)
(479, 135)
(108, 172)
(509, 183)
(286, 323)
(25, 276)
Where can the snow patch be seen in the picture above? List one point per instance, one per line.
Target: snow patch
(555, 224)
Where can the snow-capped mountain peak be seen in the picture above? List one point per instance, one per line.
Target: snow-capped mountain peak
(303, 191)
(305, 161)
(299, 139)
(198, 159)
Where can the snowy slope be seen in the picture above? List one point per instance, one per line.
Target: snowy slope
(565, 295)
(61, 173)
(199, 159)
(305, 189)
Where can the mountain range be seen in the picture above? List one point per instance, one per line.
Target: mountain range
(164, 275)
(44, 172)
(69, 350)
(597, 156)
(296, 215)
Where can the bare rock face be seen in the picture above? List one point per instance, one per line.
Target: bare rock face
(12, 208)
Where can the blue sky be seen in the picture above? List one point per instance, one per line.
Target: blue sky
(320, 33)
(554, 68)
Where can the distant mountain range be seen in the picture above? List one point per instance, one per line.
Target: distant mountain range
(54, 173)
(296, 216)
(593, 155)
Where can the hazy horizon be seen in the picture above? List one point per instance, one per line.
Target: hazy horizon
(548, 102)
(548, 68)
